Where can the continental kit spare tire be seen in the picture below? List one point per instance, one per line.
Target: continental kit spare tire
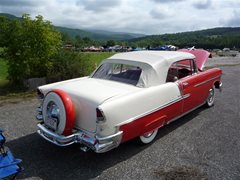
(58, 112)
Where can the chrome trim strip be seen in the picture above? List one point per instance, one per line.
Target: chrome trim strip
(174, 119)
(204, 82)
(152, 111)
(186, 96)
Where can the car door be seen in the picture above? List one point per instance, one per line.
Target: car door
(189, 95)
(187, 80)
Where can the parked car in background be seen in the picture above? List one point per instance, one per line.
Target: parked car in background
(130, 95)
(227, 52)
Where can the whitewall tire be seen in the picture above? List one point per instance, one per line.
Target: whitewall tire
(211, 98)
(148, 137)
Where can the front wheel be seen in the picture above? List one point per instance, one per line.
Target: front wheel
(147, 137)
(211, 98)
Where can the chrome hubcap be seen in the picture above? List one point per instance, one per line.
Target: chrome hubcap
(148, 134)
(211, 96)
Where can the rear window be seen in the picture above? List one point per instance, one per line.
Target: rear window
(119, 72)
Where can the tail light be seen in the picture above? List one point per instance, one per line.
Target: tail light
(100, 115)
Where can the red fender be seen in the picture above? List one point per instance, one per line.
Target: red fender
(69, 109)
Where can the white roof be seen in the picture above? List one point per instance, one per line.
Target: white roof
(153, 58)
(154, 64)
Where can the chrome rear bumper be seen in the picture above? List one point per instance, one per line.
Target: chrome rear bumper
(97, 144)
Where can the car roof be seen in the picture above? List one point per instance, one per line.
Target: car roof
(153, 58)
(154, 64)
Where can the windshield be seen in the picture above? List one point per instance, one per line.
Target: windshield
(118, 72)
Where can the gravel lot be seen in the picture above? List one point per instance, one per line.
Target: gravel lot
(204, 144)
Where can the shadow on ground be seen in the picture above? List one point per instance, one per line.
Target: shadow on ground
(47, 161)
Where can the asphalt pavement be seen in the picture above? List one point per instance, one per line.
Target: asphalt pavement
(204, 144)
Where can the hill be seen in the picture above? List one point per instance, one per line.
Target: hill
(98, 34)
(93, 34)
(210, 38)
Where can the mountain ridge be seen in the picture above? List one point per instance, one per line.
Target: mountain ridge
(218, 37)
(90, 33)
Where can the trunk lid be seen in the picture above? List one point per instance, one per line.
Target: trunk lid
(87, 94)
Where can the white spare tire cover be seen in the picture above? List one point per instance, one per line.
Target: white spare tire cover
(51, 99)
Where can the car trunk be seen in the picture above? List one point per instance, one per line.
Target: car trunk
(87, 94)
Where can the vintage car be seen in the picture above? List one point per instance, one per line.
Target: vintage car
(130, 95)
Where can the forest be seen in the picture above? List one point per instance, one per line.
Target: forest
(216, 38)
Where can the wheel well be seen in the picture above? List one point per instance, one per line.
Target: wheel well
(217, 85)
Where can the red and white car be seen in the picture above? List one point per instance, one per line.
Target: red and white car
(130, 95)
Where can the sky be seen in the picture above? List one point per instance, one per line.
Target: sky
(136, 16)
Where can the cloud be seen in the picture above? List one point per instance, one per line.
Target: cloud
(166, 1)
(146, 16)
(234, 21)
(161, 12)
(202, 4)
(19, 7)
(21, 3)
(97, 5)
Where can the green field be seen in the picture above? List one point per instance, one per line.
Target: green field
(94, 59)
(98, 56)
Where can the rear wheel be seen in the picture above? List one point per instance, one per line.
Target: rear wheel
(147, 137)
(211, 98)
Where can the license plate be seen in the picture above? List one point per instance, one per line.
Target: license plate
(51, 123)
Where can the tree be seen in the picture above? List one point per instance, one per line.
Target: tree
(4, 29)
(31, 44)
(87, 41)
(110, 43)
(78, 41)
(66, 38)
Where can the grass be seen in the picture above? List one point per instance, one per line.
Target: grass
(97, 57)
(94, 59)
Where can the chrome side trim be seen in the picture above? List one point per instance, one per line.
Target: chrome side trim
(204, 82)
(152, 111)
(186, 96)
(174, 119)
(96, 143)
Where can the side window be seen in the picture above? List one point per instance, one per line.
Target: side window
(180, 69)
